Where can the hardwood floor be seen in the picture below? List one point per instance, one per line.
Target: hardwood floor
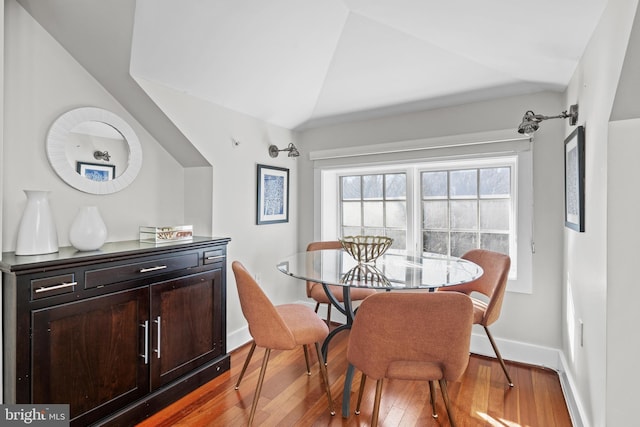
(291, 398)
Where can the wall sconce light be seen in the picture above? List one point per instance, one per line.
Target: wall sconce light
(531, 121)
(293, 151)
(101, 155)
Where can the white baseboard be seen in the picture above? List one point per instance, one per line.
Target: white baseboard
(516, 351)
(574, 403)
(238, 338)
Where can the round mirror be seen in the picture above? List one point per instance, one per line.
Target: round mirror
(94, 150)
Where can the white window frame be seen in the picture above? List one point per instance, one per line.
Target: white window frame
(520, 279)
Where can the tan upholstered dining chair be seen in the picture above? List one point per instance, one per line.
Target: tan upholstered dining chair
(317, 293)
(282, 327)
(492, 284)
(411, 336)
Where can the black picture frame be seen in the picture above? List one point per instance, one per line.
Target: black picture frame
(96, 171)
(272, 195)
(574, 180)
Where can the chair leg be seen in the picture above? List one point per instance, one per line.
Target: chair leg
(363, 381)
(325, 378)
(317, 307)
(254, 405)
(306, 359)
(495, 349)
(432, 393)
(329, 315)
(445, 397)
(246, 363)
(376, 403)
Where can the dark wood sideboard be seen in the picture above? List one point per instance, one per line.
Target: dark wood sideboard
(117, 333)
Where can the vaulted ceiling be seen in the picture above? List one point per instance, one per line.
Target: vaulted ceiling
(305, 63)
(299, 62)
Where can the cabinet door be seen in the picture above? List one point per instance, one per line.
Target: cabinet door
(90, 354)
(186, 321)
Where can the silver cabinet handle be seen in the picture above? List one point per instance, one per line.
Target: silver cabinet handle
(157, 350)
(216, 257)
(145, 356)
(53, 288)
(146, 270)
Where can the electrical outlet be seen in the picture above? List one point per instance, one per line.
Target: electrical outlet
(581, 332)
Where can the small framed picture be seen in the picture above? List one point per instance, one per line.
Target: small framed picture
(574, 165)
(273, 195)
(96, 171)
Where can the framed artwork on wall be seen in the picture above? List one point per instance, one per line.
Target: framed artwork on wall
(96, 171)
(574, 173)
(272, 195)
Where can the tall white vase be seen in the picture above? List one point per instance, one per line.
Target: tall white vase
(88, 231)
(37, 230)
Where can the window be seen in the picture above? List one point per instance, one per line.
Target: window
(374, 205)
(446, 207)
(463, 209)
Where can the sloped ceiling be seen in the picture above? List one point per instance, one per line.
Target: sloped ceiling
(98, 35)
(626, 105)
(299, 63)
(305, 63)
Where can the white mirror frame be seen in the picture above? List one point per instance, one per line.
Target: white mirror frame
(56, 150)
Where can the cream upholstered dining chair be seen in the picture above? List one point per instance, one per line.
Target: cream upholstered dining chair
(317, 293)
(492, 284)
(411, 336)
(281, 327)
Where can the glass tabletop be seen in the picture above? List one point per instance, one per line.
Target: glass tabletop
(390, 271)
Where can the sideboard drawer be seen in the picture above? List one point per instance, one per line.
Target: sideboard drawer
(52, 286)
(213, 256)
(109, 275)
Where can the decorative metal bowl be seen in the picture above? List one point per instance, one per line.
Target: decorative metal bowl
(366, 249)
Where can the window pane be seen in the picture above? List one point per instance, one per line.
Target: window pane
(351, 214)
(436, 242)
(399, 239)
(464, 214)
(495, 182)
(494, 214)
(396, 214)
(434, 184)
(374, 231)
(435, 214)
(351, 188)
(372, 187)
(351, 231)
(462, 243)
(396, 186)
(464, 183)
(373, 214)
(495, 242)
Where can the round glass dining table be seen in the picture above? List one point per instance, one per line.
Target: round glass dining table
(389, 272)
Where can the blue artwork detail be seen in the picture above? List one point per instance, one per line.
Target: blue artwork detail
(273, 195)
(96, 174)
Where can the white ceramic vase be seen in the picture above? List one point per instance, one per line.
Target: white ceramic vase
(37, 230)
(88, 231)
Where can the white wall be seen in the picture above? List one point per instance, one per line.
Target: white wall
(534, 318)
(585, 283)
(212, 129)
(42, 81)
(623, 292)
